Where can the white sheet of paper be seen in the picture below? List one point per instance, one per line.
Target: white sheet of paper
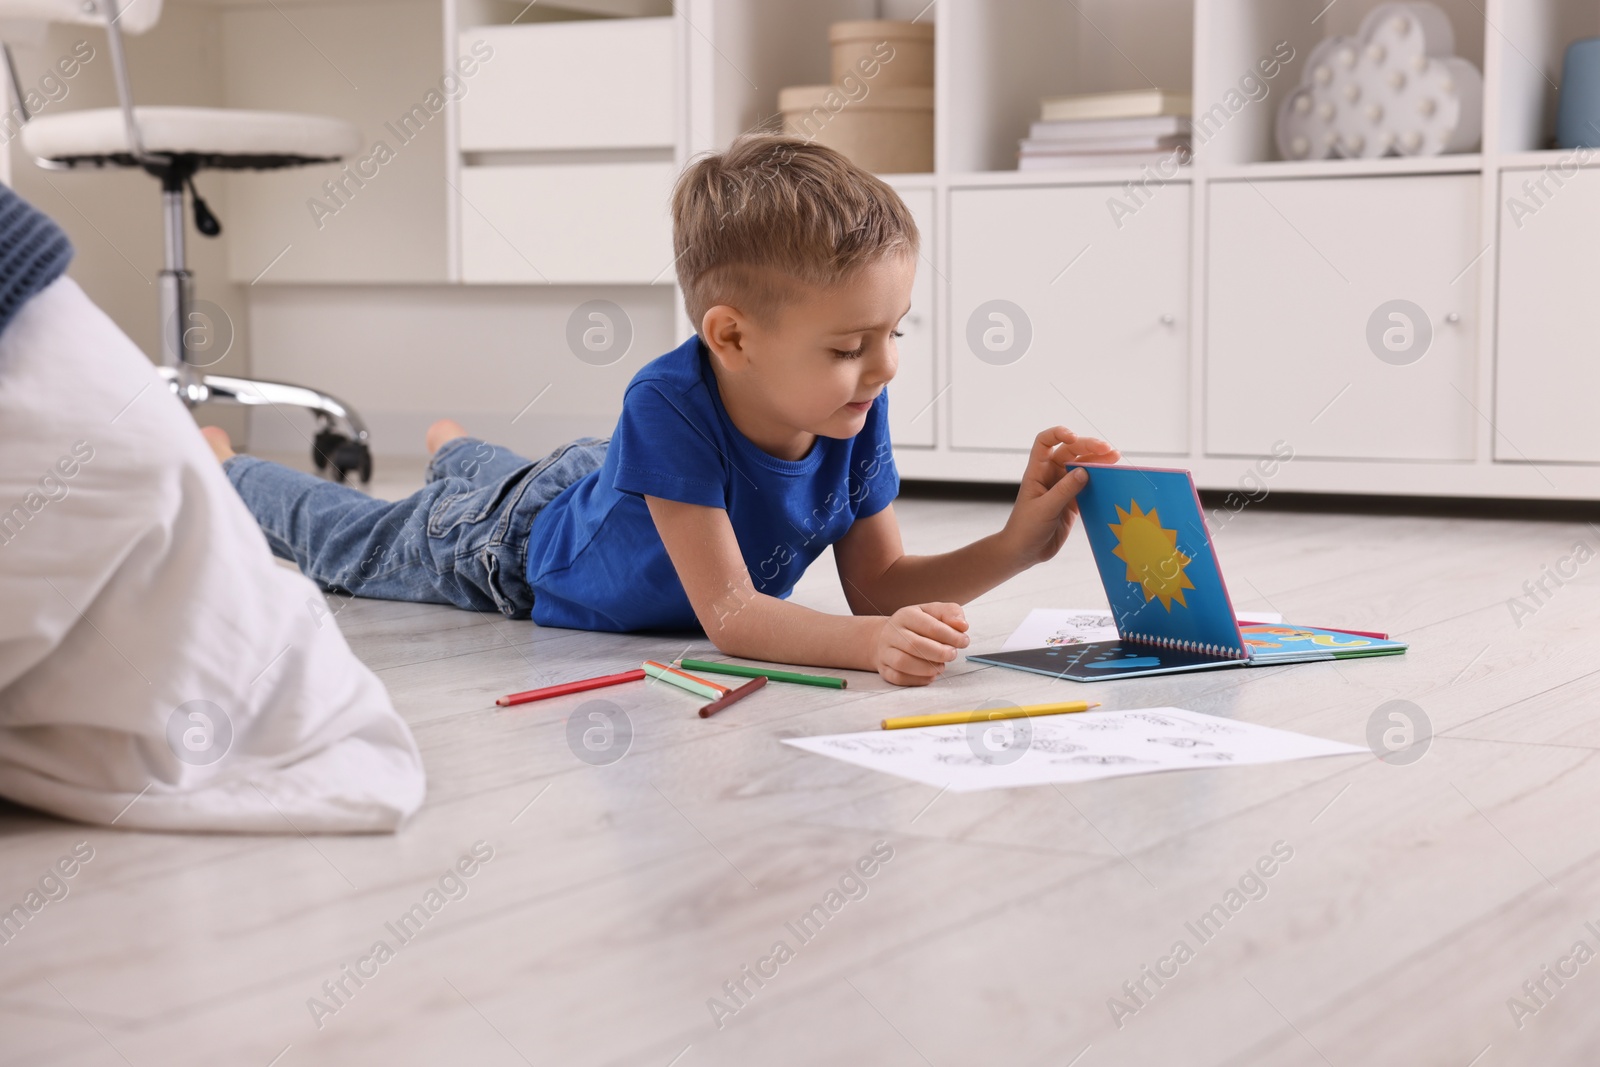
(1078, 747)
(1049, 627)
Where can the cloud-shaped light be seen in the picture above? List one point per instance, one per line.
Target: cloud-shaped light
(1395, 88)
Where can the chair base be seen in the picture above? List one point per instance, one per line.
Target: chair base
(342, 442)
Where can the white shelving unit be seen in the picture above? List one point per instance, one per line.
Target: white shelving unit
(1230, 310)
(1213, 315)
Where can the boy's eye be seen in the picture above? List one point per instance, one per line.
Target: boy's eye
(855, 353)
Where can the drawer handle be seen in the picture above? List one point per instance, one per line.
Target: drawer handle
(1168, 319)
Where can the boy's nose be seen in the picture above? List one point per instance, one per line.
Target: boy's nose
(886, 364)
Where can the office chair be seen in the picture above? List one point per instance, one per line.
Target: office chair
(172, 144)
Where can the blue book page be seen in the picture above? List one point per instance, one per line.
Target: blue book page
(1155, 558)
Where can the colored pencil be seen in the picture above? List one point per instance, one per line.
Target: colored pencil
(738, 693)
(699, 686)
(953, 718)
(741, 671)
(1357, 633)
(570, 687)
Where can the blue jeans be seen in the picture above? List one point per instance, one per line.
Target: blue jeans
(461, 539)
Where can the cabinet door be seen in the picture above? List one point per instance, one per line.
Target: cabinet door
(1341, 317)
(1064, 312)
(911, 419)
(1546, 376)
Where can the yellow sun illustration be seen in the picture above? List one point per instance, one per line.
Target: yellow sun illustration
(1152, 555)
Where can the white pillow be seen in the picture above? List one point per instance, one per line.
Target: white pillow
(158, 668)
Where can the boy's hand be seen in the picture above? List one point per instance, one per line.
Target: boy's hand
(1046, 504)
(917, 642)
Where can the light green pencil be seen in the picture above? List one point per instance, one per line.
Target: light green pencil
(741, 671)
(699, 686)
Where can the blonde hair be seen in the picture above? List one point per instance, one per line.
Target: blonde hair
(772, 210)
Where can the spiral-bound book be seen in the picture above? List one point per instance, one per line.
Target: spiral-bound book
(1168, 599)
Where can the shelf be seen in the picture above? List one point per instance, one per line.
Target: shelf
(1465, 163)
(1244, 34)
(1532, 39)
(998, 60)
(993, 179)
(520, 12)
(1585, 158)
(742, 61)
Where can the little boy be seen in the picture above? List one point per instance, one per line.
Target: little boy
(738, 458)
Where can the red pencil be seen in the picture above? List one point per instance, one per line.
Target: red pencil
(733, 694)
(570, 687)
(1357, 633)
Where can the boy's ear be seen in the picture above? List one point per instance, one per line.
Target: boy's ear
(727, 336)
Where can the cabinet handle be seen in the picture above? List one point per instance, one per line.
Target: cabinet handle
(1452, 318)
(1168, 319)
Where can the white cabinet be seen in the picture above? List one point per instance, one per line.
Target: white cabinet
(571, 223)
(1547, 375)
(911, 394)
(598, 83)
(1064, 312)
(567, 133)
(1342, 317)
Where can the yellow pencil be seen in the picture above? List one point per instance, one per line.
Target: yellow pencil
(953, 718)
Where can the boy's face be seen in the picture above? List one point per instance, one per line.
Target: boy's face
(825, 357)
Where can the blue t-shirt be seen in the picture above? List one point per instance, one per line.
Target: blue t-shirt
(595, 561)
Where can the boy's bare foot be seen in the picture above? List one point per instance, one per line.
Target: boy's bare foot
(217, 438)
(442, 433)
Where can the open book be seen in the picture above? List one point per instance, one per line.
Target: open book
(1168, 599)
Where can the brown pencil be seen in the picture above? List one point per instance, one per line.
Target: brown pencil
(734, 694)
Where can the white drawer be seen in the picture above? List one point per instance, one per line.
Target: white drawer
(599, 83)
(567, 223)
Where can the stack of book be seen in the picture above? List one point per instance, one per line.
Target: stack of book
(1107, 130)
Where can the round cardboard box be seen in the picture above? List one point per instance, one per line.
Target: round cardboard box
(886, 131)
(882, 52)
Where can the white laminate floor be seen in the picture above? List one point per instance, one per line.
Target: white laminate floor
(621, 899)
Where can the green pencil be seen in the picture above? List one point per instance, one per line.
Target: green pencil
(742, 671)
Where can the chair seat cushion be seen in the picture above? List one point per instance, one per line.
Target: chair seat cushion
(223, 138)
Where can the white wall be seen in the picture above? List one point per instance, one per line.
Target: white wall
(367, 63)
(406, 355)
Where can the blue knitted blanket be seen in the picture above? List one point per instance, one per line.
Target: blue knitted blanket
(33, 253)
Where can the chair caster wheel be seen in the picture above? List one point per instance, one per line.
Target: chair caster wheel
(336, 455)
(352, 457)
(324, 446)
